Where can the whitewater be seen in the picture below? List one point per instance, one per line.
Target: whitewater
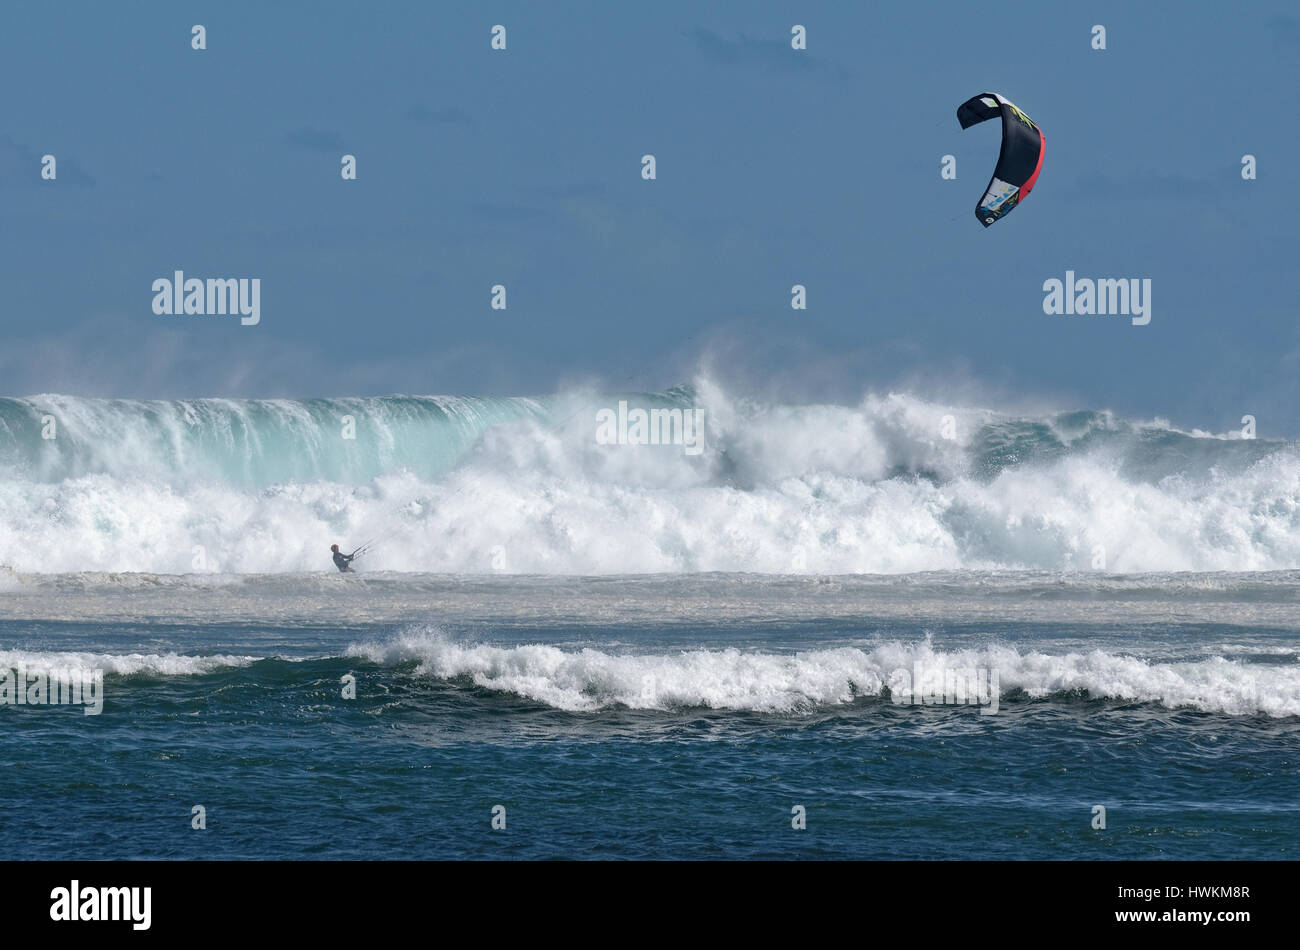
(892, 485)
(781, 645)
(641, 652)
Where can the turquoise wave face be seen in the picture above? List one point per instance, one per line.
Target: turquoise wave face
(248, 443)
(261, 442)
(256, 443)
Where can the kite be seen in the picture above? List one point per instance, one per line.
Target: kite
(1020, 160)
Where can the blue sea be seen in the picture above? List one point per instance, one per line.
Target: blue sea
(564, 649)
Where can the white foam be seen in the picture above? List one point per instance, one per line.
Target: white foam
(122, 664)
(779, 489)
(590, 679)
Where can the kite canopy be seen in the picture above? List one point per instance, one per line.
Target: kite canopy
(1021, 157)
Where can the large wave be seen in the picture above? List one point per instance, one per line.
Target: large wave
(894, 484)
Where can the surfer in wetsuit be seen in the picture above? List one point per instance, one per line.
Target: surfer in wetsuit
(342, 561)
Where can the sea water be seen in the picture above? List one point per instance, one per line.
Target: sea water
(559, 649)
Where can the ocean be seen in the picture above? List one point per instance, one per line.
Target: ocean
(895, 630)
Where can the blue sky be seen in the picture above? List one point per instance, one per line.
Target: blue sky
(775, 167)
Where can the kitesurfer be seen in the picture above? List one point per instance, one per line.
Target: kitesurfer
(343, 561)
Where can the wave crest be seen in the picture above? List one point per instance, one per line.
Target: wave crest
(588, 679)
(893, 485)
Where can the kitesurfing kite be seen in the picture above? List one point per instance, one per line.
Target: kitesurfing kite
(1020, 160)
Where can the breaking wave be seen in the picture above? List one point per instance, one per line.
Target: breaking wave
(590, 679)
(894, 484)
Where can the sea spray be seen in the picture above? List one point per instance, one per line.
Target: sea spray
(460, 485)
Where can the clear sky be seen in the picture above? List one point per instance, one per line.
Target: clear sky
(775, 167)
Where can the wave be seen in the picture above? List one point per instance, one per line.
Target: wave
(119, 664)
(247, 443)
(459, 485)
(589, 679)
